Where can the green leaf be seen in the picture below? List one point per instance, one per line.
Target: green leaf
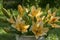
(27, 19)
(5, 12)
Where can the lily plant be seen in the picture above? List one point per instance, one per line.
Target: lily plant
(32, 20)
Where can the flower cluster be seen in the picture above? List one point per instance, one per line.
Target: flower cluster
(33, 20)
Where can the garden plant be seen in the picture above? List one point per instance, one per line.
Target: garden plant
(32, 21)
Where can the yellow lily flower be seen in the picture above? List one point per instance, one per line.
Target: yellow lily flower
(21, 10)
(51, 17)
(21, 27)
(39, 30)
(35, 13)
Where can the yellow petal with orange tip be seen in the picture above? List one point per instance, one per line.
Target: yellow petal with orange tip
(33, 11)
(21, 10)
(38, 12)
(24, 29)
(55, 26)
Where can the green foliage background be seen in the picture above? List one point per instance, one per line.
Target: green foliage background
(53, 34)
(27, 3)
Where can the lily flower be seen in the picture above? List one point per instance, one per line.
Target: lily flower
(39, 30)
(21, 10)
(21, 27)
(35, 13)
(51, 18)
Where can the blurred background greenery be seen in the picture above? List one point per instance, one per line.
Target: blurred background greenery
(28, 3)
(12, 4)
